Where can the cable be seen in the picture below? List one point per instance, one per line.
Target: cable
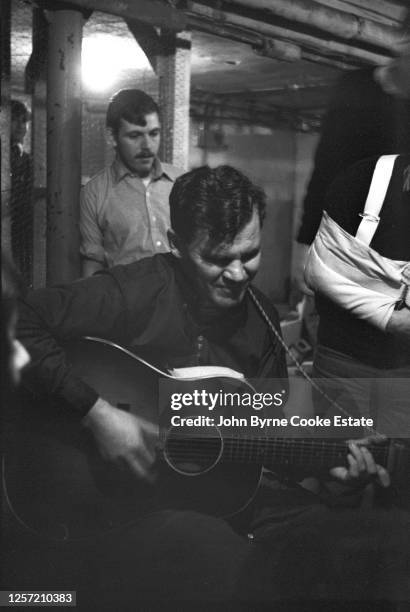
(299, 366)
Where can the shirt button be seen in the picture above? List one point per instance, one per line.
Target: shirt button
(158, 243)
(154, 218)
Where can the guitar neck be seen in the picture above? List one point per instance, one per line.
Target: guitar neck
(311, 452)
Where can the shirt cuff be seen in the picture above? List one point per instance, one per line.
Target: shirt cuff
(79, 396)
(93, 253)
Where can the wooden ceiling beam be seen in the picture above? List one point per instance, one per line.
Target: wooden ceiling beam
(333, 21)
(151, 12)
(382, 11)
(147, 38)
(268, 47)
(206, 19)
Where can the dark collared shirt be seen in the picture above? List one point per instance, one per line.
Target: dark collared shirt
(121, 219)
(147, 306)
(362, 120)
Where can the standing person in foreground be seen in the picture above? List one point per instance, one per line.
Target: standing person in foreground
(359, 266)
(193, 307)
(368, 115)
(124, 209)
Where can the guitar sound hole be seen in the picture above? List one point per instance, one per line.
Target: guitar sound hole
(192, 451)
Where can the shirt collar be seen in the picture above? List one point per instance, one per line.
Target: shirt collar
(158, 170)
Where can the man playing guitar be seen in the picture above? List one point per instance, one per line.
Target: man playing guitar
(187, 308)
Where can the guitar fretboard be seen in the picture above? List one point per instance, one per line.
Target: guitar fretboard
(312, 452)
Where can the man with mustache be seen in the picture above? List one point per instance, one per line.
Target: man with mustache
(124, 210)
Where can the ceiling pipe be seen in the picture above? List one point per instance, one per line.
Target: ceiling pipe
(223, 29)
(219, 109)
(330, 20)
(386, 12)
(330, 61)
(264, 46)
(278, 49)
(206, 19)
(326, 46)
(261, 101)
(258, 42)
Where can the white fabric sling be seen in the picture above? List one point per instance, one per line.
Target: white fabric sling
(348, 271)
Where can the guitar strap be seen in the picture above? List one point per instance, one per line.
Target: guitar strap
(298, 365)
(375, 198)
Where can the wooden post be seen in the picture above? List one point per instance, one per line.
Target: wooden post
(173, 68)
(39, 148)
(63, 144)
(5, 126)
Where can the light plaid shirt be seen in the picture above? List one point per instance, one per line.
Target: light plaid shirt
(121, 220)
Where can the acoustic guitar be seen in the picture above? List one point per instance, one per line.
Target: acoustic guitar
(57, 485)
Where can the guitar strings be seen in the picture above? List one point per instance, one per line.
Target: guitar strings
(262, 449)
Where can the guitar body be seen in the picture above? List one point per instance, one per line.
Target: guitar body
(57, 485)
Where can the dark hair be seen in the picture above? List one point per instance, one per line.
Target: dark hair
(132, 105)
(219, 201)
(19, 110)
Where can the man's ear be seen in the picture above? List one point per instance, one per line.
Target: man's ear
(110, 138)
(174, 243)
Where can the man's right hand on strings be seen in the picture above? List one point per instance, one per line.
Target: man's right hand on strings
(123, 438)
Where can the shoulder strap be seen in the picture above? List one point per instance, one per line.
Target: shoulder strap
(375, 198)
